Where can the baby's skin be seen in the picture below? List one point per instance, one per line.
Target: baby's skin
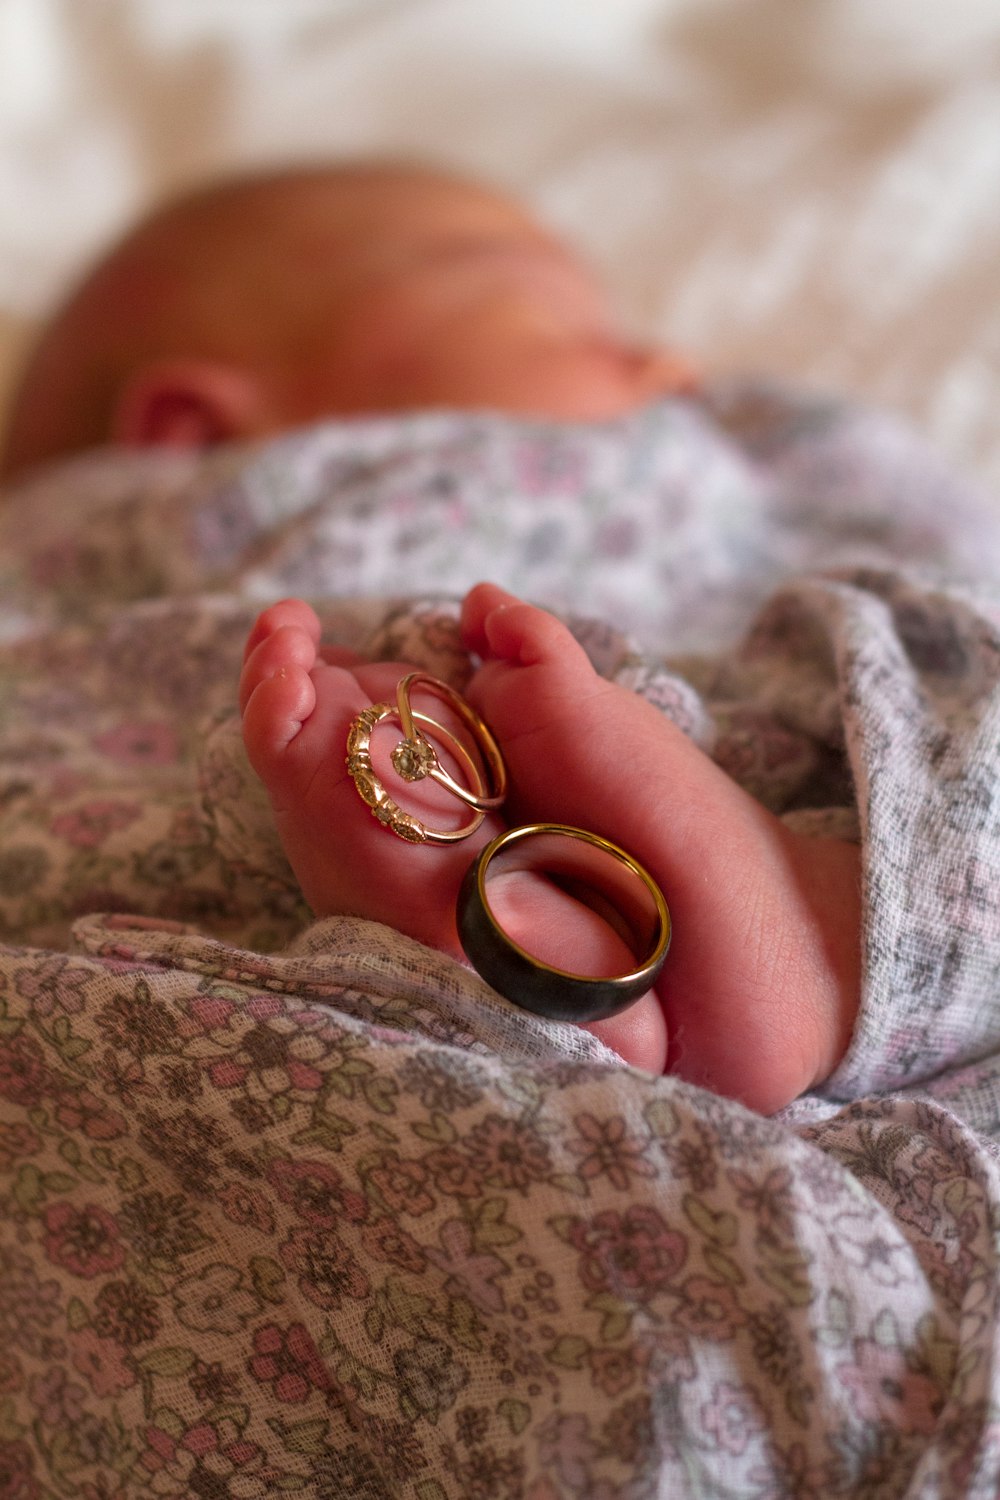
(760, 989)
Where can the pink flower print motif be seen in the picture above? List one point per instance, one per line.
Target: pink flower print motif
(428, 1378)
(884, 1390)
(24, 1077)
(28, 1306)
(632, 1253)
(88, 826)
(327, 1270)
(882, 1254)
(215, 1299)
(126, 1312)
(246, 1205)
(469, 1272)
(57, 1399)
(80, 1111)
(606, 1149)
(82, 1240)
(708, 1309)
(17, 1140)
(733, 1417)
(288, 1361)
(273, 1057)
(454, 1172)
(208, 1013)
(212, 1384)
(612, 1370)
(102, 1363)
(385, 1241)
(316, 1192)
(209, 1458)
(512, 1155)
(401, 1184)
(566, 1446)
(122, 1075)
(140, 742)
(52, 985)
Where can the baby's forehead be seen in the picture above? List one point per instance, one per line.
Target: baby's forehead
(296, 247)
(322, 228)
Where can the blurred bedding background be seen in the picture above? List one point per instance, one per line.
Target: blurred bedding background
(807, 187)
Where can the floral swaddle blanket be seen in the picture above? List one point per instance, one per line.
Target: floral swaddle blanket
(294, 1206)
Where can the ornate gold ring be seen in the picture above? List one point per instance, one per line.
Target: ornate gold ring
(416, 757)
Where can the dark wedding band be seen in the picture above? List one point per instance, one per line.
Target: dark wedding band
(599, 875)
(485, 799)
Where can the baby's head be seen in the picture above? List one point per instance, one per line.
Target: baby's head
(266, 303)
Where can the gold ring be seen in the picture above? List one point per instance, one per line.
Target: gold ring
(598, 874)
(421, 758)
(408, 759)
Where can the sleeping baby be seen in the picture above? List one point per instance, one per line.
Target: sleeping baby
(303, 1203)
(249, 309)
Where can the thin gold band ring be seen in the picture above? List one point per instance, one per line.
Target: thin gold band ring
(485, 799)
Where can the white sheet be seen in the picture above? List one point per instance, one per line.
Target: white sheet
(808, 187)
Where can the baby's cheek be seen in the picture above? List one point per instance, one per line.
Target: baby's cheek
(578, 383)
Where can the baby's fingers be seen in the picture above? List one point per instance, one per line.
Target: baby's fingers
(293, 612)
(274, 712)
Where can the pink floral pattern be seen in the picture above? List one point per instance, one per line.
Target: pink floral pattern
(303, 1207)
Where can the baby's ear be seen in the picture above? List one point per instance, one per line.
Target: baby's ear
(187, 403)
